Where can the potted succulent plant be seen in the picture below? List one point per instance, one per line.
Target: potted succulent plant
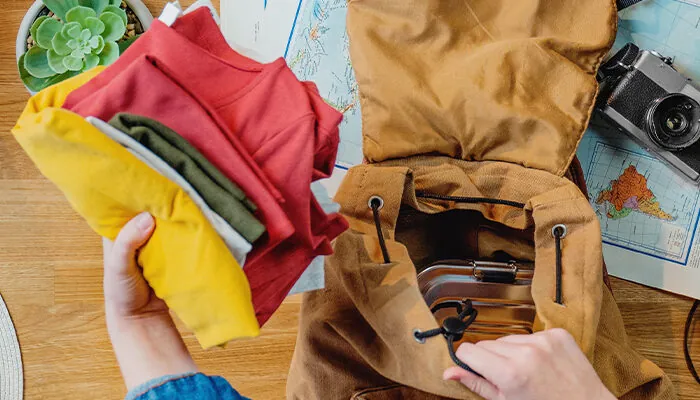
(59, 39)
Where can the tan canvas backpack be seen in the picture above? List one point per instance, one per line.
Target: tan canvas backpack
(472, 112)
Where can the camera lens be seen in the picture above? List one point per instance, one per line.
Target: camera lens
(676, 122)
(673, 122)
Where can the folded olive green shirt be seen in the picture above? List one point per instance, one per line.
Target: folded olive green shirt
(222, 195)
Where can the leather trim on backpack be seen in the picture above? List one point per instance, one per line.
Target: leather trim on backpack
(575, 174)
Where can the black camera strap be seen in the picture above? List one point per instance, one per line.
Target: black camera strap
(621, 62)
(622, 4)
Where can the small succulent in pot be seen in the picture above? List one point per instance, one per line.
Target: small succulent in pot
(81, 35)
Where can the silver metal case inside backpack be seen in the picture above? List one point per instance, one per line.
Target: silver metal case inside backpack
(500, 292)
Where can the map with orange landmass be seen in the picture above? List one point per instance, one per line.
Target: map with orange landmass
(630, 193)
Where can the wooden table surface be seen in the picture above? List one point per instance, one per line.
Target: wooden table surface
(50, 278)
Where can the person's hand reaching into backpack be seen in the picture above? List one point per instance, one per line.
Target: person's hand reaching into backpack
(544, 365)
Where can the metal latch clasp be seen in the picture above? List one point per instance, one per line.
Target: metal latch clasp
(495, 272)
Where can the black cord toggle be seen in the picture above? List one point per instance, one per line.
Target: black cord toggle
(453, 328)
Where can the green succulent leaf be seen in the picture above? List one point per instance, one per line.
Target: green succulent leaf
(97, 5)
(118, 11)
(73, 63)
(37, 84)
(36, 62)
(46, 31)
(100, 45)
(80, 14)
(35, 25)
(71, 30)
(60, 45)
(61, 7)
(114, 27)
(109, 54)
(77, 53)
(91, 61)
(94, 42)
(73, 44)
(115, 3)
(85, 35)
(95, 26)
(124, 44)
(56, 62)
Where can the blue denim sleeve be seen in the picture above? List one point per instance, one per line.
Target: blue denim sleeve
(185, 387)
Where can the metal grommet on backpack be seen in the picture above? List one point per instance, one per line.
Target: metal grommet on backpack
(376, 203)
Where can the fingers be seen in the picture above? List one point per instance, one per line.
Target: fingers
(126, 290)
(482, 360)
(132, 236)
(549, 334)
(524, 339)
(502, 348)
(106, 249)
(520, 339)
(550, 341)
(547, 364)
(478, 385)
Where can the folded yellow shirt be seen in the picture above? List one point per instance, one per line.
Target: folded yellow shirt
(185, 261)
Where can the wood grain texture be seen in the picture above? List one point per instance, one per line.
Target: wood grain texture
(50, 277)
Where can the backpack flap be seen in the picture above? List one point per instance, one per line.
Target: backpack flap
(492, 80)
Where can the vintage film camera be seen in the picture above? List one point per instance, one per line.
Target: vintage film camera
(649, 100)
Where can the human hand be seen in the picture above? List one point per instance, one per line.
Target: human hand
(145, 339)
(544, 365)
(127, 294)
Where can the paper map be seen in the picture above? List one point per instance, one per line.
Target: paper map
(319, 52)
(643, 205)
(648, 212)
(629, 193)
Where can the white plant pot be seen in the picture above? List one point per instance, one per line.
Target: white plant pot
(137, 6)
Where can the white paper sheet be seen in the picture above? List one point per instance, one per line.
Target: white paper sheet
(240, 24)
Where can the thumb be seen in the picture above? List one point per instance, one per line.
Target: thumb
(476, 384)
(132, 236)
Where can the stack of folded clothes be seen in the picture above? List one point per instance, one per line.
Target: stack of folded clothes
(225, 153)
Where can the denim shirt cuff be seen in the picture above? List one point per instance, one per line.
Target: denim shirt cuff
(184, 387)
(146, 386)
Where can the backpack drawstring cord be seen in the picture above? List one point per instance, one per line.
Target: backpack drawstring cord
(559, 232)
(376, 203)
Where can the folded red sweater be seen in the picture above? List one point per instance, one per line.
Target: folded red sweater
(260, 112)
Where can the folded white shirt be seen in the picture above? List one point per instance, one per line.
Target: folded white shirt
(237, 245)
(314, 276)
